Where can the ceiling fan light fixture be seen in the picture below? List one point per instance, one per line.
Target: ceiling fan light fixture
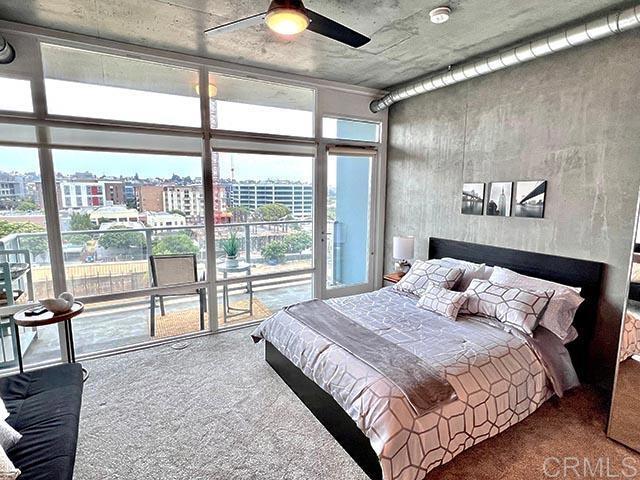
(440, 15)
(287, 21)
(213, 90)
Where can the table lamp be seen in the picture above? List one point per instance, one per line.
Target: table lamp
(402, 253)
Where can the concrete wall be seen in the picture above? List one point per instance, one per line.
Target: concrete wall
(572, 119)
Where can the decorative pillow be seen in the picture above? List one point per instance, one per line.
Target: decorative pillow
(422, 272)
(8, 436)
(470, 271)
(442, 301)
(516, 307)
(3, 410)
(562, 308)
(7, 470)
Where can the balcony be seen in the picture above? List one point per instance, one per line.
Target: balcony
(109, 271)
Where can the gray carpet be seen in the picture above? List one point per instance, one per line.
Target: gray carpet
(217, 411)
(214, 410)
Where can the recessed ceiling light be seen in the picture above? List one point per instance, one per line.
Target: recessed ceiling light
(440, 15)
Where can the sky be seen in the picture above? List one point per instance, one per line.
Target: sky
(246, 167)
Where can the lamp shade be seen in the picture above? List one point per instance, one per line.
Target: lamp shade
(403, 248)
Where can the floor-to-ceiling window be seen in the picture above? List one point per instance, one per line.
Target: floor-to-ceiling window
(25, 264)
(264, 196)
(125, 158)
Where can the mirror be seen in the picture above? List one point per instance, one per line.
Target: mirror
(624, 420)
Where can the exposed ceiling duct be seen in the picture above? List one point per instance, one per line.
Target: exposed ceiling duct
(604, 27)
(7, 53)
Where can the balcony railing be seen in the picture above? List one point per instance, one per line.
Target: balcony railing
(99, 262)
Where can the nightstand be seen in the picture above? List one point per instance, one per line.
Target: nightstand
(393, 277)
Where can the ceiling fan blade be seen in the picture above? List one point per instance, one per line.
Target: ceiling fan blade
(251, 21)
(329, 28)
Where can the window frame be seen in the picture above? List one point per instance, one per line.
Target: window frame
(43, 121)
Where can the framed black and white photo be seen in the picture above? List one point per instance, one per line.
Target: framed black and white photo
(499, 204)
(530, 198)
(472, 198)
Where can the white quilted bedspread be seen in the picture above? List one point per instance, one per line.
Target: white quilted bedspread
(497, 377)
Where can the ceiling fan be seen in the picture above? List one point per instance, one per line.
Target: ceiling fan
(290, 17)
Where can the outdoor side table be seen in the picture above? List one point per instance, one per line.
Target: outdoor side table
(47, 318)
(228, 310)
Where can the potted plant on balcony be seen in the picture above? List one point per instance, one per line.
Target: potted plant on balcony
(231, 246)
(274, 252)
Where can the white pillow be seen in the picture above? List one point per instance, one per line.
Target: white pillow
(516, 307)
(421, 272)
(558, 317)
(442, 301)
(4, 414)
(8, 436)
(7, 470)
(471, 270)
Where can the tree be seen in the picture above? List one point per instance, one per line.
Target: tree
(239, 214)
(298, 241)
(178, 212)
(175, 243)
(7, 228)
(121, 239)
(273, 212)
(275, 251)
(27, 206)
(80, 221)
(36, 244)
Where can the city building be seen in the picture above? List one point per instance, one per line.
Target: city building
(114, 193)
(118, 213)
(149, 198)
(163, 219)
(12, 188)
(187, 199)
(74, 193)
(297, 197)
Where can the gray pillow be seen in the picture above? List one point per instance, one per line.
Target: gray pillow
(559, 315)
(442, 301)
(470, 271)
(8, 436)
(422, 272)
(515, 307)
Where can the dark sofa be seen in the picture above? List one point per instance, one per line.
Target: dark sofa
(44, 406)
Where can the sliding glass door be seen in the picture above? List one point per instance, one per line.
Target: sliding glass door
(348, 234)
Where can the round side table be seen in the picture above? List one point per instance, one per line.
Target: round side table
(21, 319)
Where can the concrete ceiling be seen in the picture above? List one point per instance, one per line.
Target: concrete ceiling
(404, 43)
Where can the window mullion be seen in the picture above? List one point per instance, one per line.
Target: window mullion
(50, 201)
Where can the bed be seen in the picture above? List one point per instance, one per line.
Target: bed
(497, 377)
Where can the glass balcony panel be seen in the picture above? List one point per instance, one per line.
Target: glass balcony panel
(257, 300)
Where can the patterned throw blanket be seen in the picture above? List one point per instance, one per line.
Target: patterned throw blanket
(422, 385)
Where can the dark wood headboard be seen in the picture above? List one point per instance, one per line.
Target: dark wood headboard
(585, 274)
